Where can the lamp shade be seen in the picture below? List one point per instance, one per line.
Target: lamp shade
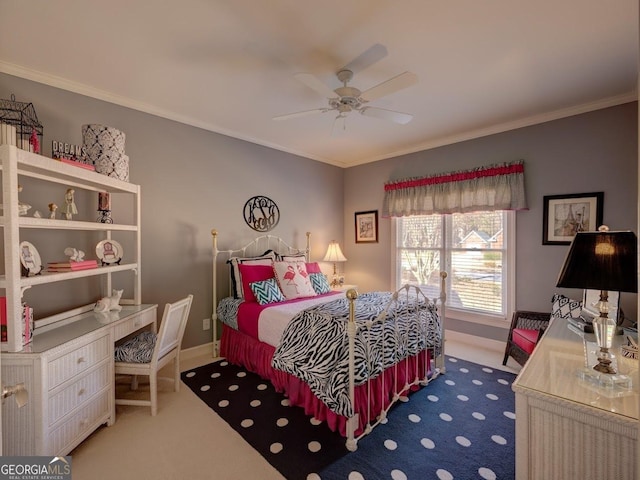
(601, 260)
(334, 254)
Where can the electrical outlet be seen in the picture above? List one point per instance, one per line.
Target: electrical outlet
(206, 324)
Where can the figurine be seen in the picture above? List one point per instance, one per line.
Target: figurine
(70, 206)
(52, 209)
(23, 208)
(108, 304)
(74, 255)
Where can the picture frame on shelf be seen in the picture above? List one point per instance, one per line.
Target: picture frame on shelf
(565, 215)
(366, 226)
(30, 259)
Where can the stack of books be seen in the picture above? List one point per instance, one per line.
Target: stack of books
(71, 266)
(26, 324)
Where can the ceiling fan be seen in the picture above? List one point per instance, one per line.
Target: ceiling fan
(346, 99)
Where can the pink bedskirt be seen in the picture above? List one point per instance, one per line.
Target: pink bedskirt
(255, 356)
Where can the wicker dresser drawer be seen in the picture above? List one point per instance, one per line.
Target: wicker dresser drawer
(72, 431)
(80, 391)
(135, 323)
(77, 361)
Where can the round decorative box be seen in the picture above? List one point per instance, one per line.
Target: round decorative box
(105, 148)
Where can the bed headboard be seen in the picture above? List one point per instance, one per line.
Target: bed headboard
(254, 248)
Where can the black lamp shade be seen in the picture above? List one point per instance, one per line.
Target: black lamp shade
(602, 261)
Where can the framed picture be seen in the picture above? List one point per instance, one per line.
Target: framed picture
(30, 259)
(566, 215)
(367, 227)
(590, 304)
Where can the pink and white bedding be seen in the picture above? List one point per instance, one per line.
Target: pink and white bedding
(266, 323)
(311, 341)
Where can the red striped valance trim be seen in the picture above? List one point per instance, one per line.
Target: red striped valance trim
(456, 177)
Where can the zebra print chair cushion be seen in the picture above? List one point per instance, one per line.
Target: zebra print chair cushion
(138, 349)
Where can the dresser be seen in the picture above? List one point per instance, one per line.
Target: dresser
(69, 374)
(568, 427)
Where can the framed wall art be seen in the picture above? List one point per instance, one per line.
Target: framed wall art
(367, 227)
(566, 215)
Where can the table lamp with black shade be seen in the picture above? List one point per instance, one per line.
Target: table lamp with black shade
(605, 261)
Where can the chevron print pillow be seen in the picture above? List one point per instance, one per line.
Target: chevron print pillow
(319, 283)
(565, 307)
(267, 291)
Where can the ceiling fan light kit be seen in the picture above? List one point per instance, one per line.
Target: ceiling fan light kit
(346, 99)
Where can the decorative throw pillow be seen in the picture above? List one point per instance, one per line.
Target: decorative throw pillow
(293, 279)
(565, 307)
(267, 258)
(253, 273)
(313, 267)
(320, 283)
(267, 291)
(292, 257)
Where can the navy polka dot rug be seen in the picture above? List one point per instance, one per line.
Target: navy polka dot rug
(461, 426)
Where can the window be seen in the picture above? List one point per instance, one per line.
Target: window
(477, 250)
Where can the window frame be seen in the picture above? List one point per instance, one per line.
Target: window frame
(509, 283)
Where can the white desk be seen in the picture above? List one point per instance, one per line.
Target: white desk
(68, 371)
(566, 427)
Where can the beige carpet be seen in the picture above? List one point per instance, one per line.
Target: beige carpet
(187, 440)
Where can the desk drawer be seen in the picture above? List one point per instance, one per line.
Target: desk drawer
(135, 323)
(80, 391)
(75, 429)
(77, 361)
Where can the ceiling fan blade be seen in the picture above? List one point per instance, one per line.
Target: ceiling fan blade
(396, 117)
(304, 113)
(367, 58)
(314, 83)
(390, 86)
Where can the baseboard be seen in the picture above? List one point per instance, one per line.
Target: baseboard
(197, 351)
(487, 343)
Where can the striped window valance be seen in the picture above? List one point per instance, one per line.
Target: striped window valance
(493, 187)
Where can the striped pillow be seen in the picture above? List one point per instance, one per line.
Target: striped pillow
(320, 283)
(267, 291)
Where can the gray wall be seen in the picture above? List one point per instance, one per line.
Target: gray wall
(192, 181)
(591, 152)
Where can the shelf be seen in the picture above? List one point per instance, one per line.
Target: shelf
(49, 277)
(37, 166)
(17, 164)
(59, 224)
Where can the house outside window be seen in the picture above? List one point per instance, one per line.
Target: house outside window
(477, 250)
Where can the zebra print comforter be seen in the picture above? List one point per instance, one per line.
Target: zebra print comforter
(315, 345)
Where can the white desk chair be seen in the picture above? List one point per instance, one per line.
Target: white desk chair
(146, 353)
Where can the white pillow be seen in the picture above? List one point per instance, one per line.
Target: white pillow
(293, 279)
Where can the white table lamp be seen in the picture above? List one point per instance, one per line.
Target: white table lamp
(334, 255)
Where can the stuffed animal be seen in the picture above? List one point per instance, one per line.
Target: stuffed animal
(109, 304)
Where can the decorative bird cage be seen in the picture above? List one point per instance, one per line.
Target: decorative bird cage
(19, 125)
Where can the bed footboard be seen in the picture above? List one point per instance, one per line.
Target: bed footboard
(418, 330)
